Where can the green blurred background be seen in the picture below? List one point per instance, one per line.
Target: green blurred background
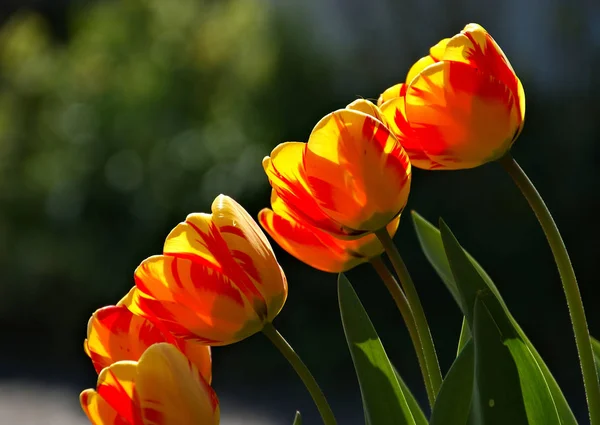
(118, 118)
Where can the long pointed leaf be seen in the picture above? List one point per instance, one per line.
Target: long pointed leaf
(413, 404)
(465, 336)
(497, 396)
(384, 402)
(504, 366)
(431, 243)
(453, 402)
(596, 348)
(297, 419)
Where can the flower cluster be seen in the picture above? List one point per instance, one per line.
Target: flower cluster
(217, 280)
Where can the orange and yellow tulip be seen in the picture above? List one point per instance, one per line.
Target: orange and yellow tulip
(315, 247)
(217, 282)
(351, 178)
(162, 388)
(114, 334)
(461, 106)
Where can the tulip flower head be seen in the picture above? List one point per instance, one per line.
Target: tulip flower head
(351, 178)
(162, 388)
(314, 246)
(217, 282)
(461, 106)
(115, 334)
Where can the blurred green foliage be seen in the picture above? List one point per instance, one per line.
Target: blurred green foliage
(146, 114)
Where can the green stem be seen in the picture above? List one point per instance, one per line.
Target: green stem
(569, 282)
(435, 375)
(398, 295)
(309, 381)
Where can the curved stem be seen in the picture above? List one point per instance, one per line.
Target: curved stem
(569, 282)
(398, 295)
(435, 375)
(309, 381)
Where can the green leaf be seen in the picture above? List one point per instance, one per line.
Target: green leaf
(471, 285)
(413, 404)
(453, 402)
(297, 419)
(433, 248)
(497, 397)
(465, 336)
(384, 402)
(509, 384)
(596, 348)
(431, 243)
(540, 405)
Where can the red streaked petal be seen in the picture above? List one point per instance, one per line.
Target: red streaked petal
(115, 334)
(116, 385)
(199, 355)
(357, 171)
(474, 46)
(395, 113)
(286, 173)
(194, 236)
(200, 240)
(98, 411)
(461, 116)
(419, 66)
(252, 251)
(310, 245)
(193, 301)
(316, 248)
(171, 390)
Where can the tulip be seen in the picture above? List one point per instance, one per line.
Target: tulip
(162, 388)
(115, 334)
(314, 246)
(351, 178)
(218, 281)
(460, 107)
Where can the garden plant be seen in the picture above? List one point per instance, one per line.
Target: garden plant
(336, 203)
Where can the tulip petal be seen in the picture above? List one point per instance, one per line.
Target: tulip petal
(115, 334)
(436, 53)
(418, 67)
(367, 107)
(309, 244)
(252, 251)
(474, 46)
(171, 391)
(193, 301)
(394, 111)
(116, 385)
(200, 355)
(399, 90)
(465, 116)
(521, 97)
(315, 247)
(98, 411)
(200, 240)
(286, 173)
(357, 171)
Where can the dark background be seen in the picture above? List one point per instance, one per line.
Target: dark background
(118, 118)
